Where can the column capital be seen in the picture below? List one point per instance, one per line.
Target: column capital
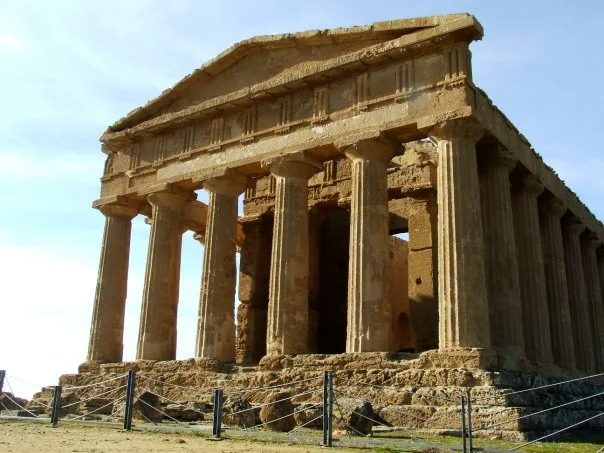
(574, 225)
(553, 207)
(458, 128)
(591, 241)
(498, 156)
(298, 165)
(530, 184)
(371, 145)
(232, 183)
(119, 210)
(172, 198)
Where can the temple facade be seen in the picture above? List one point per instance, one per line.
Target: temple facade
(338, 141)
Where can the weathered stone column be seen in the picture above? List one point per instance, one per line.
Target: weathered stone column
(533, 293)
(462, 289)
(287, 331)
(107, 327)
(157, 334)
(594, 293)
(421, 263)
(563, 348)
(577, 293)
(216, 319)
(503, 285)
(369, 313)
(254, 270)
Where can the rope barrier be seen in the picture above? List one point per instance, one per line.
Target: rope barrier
(307, 423)
(539, 412)
(93, 397)
(541, 387)
(40, 402)
(117, 409)
(259, 389)
(274, 402)
(402, 413)
(87, 414)
(443, 398)
(174, 402)
(23, 381)
(156, 409)
(268, 423)
(558, 432)
(77, 387)
(17, 404)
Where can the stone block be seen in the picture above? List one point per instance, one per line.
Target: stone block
(278, 414)
(238, 412)
(309, 415)
(148, 407)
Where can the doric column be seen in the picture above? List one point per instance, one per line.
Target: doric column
(533, 293)
(421, 263)
(594, 293)
(503, 286)
(462, 290)
(157, 334)
(107, 327)
(216, 319)
(557, 287)
(287, 331)
(369, 312)
(577, 293)
(254, 269)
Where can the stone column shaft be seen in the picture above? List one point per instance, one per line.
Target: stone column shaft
(594, 294)
(421, 262)
(563, 348)
(254, 269)
(462, 291)
(369, 311)
(157, 334)
(533, 293)
(107, 328)
(216, 320)
(287, 331)
(577, 292)
(503, 285)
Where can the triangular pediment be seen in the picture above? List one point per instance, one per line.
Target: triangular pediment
(267, 58)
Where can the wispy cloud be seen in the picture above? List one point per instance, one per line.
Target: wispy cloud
(10, 42)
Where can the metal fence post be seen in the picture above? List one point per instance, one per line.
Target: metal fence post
(330, 411)
(463, 424)
(2, 376)
(129, 400)
(325, 408)
(469, 398)
(217, 422)
(56, 406)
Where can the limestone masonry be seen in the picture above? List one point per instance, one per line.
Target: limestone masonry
(339, 140)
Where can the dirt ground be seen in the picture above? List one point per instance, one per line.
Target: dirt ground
(31, 437)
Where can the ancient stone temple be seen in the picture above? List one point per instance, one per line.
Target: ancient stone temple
(337, 141)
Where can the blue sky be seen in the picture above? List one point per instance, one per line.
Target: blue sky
(70, 68)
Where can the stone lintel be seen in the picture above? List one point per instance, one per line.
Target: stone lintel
(117, 200)
(369, 145)
(231, 183)
(296, 165)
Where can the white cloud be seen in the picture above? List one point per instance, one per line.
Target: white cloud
(10, 42)
(71, 166)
